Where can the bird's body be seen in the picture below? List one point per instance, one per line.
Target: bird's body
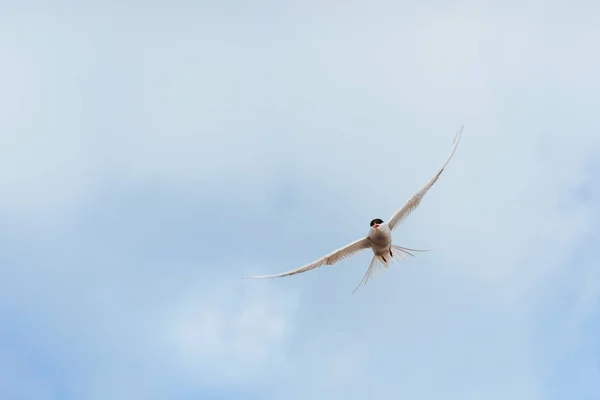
(378, 239)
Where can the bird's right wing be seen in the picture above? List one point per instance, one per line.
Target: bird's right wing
(414, 201)
(330, 259)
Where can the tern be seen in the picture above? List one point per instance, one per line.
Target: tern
(379, 237)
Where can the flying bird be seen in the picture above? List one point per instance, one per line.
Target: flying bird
(379, 237)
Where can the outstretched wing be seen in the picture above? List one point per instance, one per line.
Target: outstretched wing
(330, 259)
(414, 201)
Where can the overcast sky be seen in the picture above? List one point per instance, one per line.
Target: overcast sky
(153, 153)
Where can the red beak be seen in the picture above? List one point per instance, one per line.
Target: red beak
(376, 226)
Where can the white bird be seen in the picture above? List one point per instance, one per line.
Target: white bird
(379, 238)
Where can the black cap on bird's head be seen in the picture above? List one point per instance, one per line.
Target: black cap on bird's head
(376, 222)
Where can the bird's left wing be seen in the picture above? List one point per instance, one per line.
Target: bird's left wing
(330, 259)
(414, 201)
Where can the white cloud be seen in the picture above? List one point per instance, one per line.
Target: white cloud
(229, 332)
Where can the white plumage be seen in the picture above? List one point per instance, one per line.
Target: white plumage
(379, 238)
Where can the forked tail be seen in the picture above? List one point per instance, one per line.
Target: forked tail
(403, 250)
(398, 253)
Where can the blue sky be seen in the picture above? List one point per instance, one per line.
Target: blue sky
(153, 153)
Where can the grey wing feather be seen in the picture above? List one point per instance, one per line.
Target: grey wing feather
(330, 259)
(414, 201)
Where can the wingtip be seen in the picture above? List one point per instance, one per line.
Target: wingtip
(459, 133)
(261, 277)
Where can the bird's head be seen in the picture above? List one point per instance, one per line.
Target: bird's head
(376, 222)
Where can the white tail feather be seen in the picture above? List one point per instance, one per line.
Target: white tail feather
(399, 253)
(372, 267)
(406, 248)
